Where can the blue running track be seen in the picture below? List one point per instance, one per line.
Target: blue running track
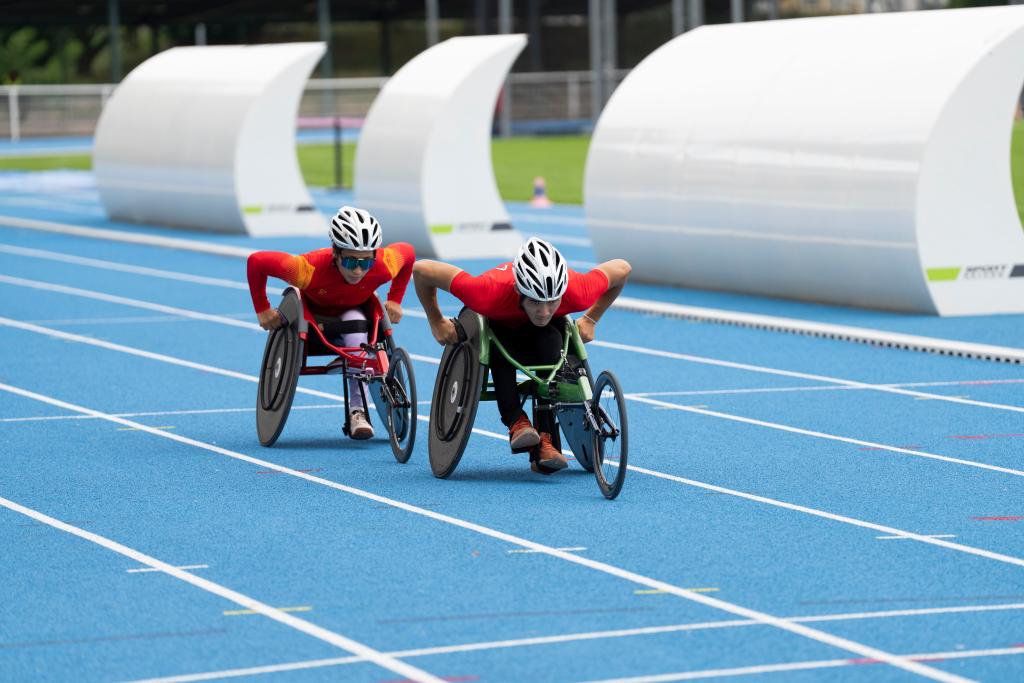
(798, 509)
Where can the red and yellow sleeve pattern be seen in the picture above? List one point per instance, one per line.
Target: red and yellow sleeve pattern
(398, 259)
(295, 270)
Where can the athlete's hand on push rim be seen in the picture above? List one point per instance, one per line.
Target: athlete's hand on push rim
(394, 311)
(270, 319)
(444, 332)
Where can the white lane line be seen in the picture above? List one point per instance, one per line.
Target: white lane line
(823, 435)
(154, 569)
(68, 336)
(138, 303)
(861, 335)
(564, 240)
(582, 265)
(504, 438)
(309, 628)
(799, 375)
(554, 219)
(904, 538)
(807, 666)
(568, 638)
(892, 531)
(126, 320)
(568, 550)
(110, 346)
(110, 265)
(158, 413)
(127, 268)
(764, 322)
(125, 236)
(633, 577)
(783, 390)
(126, 301)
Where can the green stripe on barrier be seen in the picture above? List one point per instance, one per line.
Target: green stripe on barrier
(252, 209)
(943, 274)
(442, 229)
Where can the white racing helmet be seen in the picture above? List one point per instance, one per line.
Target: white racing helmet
(540, 271)
(356, 229)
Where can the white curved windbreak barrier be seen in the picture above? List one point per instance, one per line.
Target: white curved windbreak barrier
(204, 138)
(423, 163)
(861, 160)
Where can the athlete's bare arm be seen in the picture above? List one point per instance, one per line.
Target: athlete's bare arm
(429, 276)
(617, 271)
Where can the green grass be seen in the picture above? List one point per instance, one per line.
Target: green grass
(517, 161)
(81, 161)
(559, 160)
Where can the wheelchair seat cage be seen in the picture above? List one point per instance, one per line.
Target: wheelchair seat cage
(378, 363)
(566, 388)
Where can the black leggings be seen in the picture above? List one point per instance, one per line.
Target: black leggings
(528, 344)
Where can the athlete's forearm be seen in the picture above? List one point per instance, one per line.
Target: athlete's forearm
(617, 271)
(429, 276)
(257, 278)
(401, 280)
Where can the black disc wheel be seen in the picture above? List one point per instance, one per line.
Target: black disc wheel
(611, 438)
(400, 394)
(279, 376)
(455, 400)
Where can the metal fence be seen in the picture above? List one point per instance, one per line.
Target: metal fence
(539, 102)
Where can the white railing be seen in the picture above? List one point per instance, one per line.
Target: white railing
(536, 98)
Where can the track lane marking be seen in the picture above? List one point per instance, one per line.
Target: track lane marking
(390, 663)
(853, 384)
(822, 435)
(568, 638)
(597, 342)
(152, 569)
(632, 468)
(892, 531)
(783, 390)
(670, 310)
(807, 666)
(384, 661)
(158, 413)
(246, 612)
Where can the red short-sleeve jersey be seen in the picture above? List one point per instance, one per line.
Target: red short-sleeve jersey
(493, 294)
(322, 284)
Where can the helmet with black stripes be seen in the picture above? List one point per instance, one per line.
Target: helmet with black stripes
(356, 229)
(540, 271)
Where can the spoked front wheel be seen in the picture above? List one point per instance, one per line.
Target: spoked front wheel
(611, 437)
(400, 385)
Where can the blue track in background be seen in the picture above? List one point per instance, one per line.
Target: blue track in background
(753, 485)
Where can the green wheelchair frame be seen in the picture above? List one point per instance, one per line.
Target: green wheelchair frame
(591, 415)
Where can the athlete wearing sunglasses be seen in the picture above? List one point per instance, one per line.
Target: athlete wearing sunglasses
(337, 282)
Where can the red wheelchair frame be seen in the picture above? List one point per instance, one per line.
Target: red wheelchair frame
(378, 364)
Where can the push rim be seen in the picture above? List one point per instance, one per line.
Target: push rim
(611, 439)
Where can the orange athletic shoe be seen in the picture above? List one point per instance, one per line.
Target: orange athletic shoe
(549, 459)
(522, 435)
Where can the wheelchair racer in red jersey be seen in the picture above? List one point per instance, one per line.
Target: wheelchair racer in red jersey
(337, 282)
(524, 302)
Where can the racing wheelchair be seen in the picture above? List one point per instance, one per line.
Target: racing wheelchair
(386, 368)
(591, 414)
